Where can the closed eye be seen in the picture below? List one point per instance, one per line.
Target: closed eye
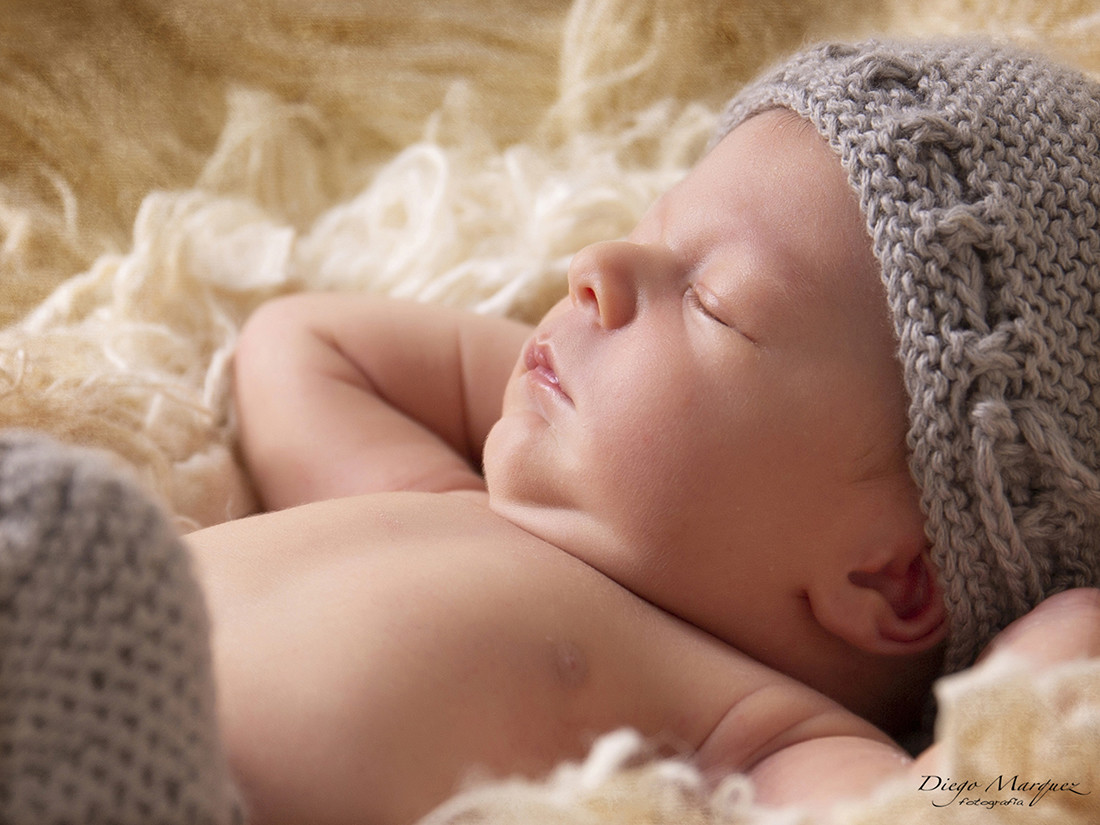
(695, 301)
(701, 300)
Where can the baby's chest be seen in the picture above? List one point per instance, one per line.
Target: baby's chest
(428, 678)
(384, 658)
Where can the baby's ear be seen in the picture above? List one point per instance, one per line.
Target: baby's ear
(888, 607)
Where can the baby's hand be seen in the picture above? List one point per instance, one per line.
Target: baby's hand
(1062, 628)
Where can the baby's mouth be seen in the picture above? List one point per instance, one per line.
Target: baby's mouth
(539, 361)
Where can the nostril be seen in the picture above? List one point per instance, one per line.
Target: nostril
(584, 295)
(590, 298)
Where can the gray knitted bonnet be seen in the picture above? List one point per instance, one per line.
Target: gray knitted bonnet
(978, 170)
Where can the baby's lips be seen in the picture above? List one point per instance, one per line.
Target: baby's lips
(539, 359)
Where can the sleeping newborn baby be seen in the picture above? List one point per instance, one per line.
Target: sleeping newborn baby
(801, 443)
(698, 480)
(712, 503)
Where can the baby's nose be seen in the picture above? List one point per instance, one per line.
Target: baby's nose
(607, 279)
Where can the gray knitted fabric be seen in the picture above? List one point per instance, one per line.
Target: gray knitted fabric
(106, 696)
(978, 171)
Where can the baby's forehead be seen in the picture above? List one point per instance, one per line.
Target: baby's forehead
(774, 180)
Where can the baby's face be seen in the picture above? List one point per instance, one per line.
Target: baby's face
(717, 407)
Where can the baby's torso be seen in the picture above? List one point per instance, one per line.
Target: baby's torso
(371, 652)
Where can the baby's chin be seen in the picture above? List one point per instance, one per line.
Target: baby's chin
(520, 459)
(514, 489)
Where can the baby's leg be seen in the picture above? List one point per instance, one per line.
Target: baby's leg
(106, 698)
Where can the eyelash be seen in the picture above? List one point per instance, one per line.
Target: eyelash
(695, 302)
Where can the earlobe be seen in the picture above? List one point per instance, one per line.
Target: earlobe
(894, 608)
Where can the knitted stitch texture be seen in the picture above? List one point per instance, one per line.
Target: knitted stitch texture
(977, 168)
(106, 694)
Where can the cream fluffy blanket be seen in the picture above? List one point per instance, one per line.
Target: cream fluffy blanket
(166, 166)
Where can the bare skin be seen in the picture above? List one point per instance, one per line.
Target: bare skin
(400, 620)
(430, 637)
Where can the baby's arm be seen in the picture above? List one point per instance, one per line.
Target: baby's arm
(827, 768)
(801, 748)
(340, 395)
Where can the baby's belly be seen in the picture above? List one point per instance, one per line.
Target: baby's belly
(370, 655)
